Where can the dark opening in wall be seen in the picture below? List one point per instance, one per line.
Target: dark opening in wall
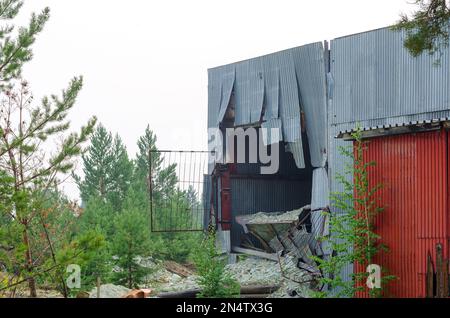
(252, 192)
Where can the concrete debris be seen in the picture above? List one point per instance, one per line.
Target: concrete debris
(290, 289)
(255, 271)
(291, 271)
(109, 291)
(276, 217)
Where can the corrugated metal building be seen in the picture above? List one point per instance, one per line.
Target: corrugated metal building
(379, 85)
(272, 91)
(369, 79)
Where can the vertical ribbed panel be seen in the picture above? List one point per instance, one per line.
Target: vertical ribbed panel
(413, 169)
(242, 93)
(279, 82)
(319, 199)
(375, 77)
(310, 71)
(228, 77)
(289, 97)
(271, 87)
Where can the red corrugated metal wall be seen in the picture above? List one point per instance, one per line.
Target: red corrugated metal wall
(414, 171)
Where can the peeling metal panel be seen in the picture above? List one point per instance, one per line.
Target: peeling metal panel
(271, 88)
(256, 89)
(228, 77)
(274, 85)
(296, 148)
(289, 107)
(268, 137)
(242, 93)
(214, 95)
(310, 71)
(375, 77)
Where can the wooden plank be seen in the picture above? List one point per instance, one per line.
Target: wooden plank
(269, 256)
(429, 287)
(276, 245)
(439, 273)
(178, 269)
(445, 279)
(265, 245)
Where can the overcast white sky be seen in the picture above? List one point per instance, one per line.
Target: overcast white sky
(145, 62)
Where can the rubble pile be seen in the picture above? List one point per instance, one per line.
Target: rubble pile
(275, 217)
(290, 289)
(257, 271)
(248, 271)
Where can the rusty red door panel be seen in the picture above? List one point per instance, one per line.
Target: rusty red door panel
(413, 169)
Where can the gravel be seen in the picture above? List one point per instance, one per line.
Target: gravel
(109, 291)
(255, 271)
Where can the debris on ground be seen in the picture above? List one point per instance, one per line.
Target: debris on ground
(178, 269)
(290, 289)
(255, 271)
(289, 235)
(109, 291)
(274, 217)
(248, 271)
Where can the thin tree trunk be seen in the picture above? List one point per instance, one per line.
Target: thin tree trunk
(63, 283)
(130, 274)
(29, 264)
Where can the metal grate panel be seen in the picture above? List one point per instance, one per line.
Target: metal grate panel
(177, 190)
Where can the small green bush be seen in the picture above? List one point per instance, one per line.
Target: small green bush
(213, 280)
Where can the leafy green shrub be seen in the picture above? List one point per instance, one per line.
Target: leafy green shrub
(212, 277)
(354, 239)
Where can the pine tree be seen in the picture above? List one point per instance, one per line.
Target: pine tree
(15, 52)
(97, 166)
(146, 155)
(24, 130)
(121, 174)
(107, 169)
(131, 240)
(428, 28)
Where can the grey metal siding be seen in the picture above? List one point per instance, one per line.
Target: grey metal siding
(280, 83)
(310, 71)
(375, 77)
